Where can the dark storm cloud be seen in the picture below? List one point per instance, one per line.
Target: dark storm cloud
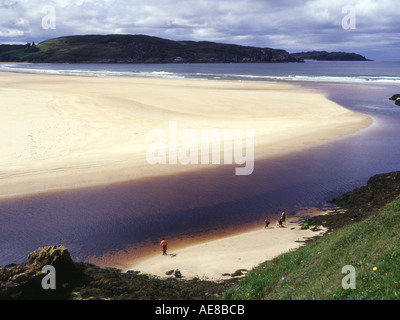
(292, 25)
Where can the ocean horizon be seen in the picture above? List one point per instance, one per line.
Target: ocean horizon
(380, 72)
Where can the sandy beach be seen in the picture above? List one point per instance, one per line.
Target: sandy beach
(62, 132)
(219, 259)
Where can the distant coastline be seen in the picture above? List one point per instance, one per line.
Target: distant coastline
(329, 56)
(146, 49)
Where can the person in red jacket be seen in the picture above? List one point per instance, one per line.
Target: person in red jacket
(163, 245)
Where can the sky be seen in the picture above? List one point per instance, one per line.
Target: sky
(367, 27)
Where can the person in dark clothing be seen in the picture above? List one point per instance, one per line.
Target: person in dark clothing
(283, 217)
(178, 274)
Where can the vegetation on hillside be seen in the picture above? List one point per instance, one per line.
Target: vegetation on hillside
(314, 272)
(140, 49)
(329, 56)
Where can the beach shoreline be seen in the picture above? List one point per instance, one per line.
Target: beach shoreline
(230, 256)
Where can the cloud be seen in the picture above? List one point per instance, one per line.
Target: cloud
(292, 24)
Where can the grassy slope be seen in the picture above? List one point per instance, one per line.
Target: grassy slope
(315, 271)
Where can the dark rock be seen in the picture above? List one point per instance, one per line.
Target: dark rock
(4, 274)
(19, 278)
(395, 97)
(57, 256)
(238, 273)
(24, 281)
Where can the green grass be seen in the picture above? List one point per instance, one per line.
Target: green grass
(314, 271)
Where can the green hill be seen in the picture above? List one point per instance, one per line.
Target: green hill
(314, 271)
(140, 49)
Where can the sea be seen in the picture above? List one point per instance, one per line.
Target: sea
(315, 71)
(113, 222)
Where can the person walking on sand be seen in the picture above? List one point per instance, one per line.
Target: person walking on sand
(283, 217)
(163, 245)
(266, 224)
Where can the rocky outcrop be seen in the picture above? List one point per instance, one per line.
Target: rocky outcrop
(396, 99)
(84, 281)
(24, 281)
